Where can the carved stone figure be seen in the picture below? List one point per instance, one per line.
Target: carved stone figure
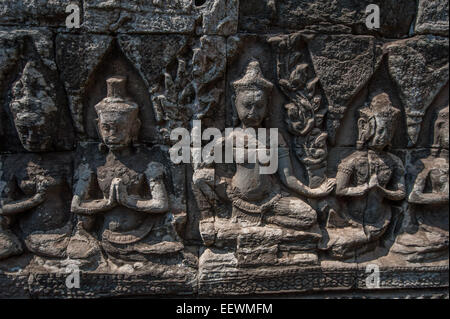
(132, 197)
(322, 119)
(35, 187)
(367, 181)
(425, 237)
(34, 110)
(266, 219)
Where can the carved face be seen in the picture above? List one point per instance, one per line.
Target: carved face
(116, 129)
(443, 134)
(251, 106)
(35, 131)
(34, 109)
(382, 134)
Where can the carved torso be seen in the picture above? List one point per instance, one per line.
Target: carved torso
(362, 165)
(54, 212)
(131, 172)
(248, 181)
(436, 171)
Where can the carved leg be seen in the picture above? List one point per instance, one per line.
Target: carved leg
(203, 189)
(82, 244)
(293, 213)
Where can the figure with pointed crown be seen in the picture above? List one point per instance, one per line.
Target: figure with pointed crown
(424, 236)
(366, 181)
(34, 188)
(270, 226)
(133, 203)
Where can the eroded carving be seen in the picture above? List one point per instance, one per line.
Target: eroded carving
(135, 223)
(132, 196)
(425, 232)
(367, 180)
(35, 187)
(268, 225)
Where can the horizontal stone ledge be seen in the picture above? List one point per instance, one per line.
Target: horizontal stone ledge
(255, 282)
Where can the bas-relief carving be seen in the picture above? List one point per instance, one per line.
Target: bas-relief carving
(268, 225)
(427, 57)
(120, 206)
(35, 185)
(425, 235)
(123, 190)
(366, 180)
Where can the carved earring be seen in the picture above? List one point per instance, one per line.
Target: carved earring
(101, 146)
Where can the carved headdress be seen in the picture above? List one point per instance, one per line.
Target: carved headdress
(441, 120)
(253, 79)
(380, 107)
(116, 101)
(116, 106)
(33, 98)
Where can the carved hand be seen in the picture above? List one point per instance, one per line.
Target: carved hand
(41, 187)
(326, 188)
(154, 171)
(41, 192)
(115, 192)
(373, 181)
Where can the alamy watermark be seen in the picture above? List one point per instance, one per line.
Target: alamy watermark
(73, 19)
(373, 16)
(73, 276)
(372, 19)
(373, 278)
(246, 145)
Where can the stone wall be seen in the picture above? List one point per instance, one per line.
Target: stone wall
(359, 196)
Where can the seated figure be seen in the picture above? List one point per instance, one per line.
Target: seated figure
(425, 233)
(367, 182)
(270, 226)
(34, 185)
(125, 192)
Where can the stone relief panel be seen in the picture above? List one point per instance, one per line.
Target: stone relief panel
(35, 190)
(121, 199)
(354, 121)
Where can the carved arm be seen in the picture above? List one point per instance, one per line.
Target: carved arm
(399, 181)
(343, 180)
(159, 202)
(22, 205)
(19, 206)
(418, 196)
(287, 177)
(85, 207)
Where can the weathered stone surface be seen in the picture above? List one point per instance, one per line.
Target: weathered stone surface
(174, 16)
(220, 17)
(427, 58)
(432, 17)
(32, 93)
(346, 16)
(344, 64)
(324, 150)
